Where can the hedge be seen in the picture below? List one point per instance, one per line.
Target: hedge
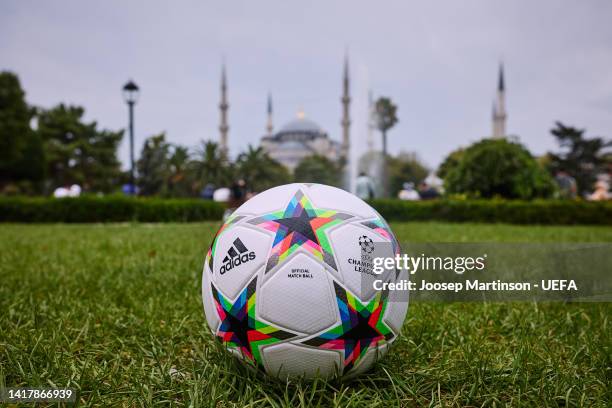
(560, 212)
(107, 209)
(117, 209)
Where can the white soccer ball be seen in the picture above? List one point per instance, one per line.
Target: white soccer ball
(287, 283)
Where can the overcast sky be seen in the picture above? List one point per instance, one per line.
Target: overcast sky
(437, 60)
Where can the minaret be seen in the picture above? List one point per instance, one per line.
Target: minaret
(269, 126)
(494, 119)
(223, 107)
(346, 121)
(499, 109)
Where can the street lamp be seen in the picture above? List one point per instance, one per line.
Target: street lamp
(130, 96)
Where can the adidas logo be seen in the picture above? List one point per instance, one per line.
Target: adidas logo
(236, 255)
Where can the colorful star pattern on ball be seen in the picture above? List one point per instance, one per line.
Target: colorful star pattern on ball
(300, 225)
(362, 327)
(232, 219)
(240, 328)
(382, 228)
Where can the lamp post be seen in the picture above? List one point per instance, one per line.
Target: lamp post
(130, 96)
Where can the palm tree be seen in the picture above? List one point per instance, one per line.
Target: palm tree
(209, 165)
(386, 118)
(178, 183)
(259, 170)
(153, 166)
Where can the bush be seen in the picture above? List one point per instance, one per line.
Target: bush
(496, 168)
(121, 209)
(560, 212)
(318, 169)
(405, 167)
(107, 209)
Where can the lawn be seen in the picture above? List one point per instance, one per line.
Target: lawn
(115, 312)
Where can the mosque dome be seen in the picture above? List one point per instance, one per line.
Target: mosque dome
(301, 125)
(298, 139)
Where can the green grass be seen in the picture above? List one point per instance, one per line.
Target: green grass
(115, 312)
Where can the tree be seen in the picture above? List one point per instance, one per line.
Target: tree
(498, 167)
(260, 171)
(452, 160)
(580, 157)
(154, 166)
(405, 167)
(210, 166)
(21, 150)
(78, 152)
(180, 179)
(318, 169)
(386, 118)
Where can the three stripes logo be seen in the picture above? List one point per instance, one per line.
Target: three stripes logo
(238, 254)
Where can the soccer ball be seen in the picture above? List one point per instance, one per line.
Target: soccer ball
(287, 287)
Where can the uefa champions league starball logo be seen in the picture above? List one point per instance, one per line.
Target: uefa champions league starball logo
(367, 244)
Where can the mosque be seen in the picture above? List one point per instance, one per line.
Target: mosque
(300, 137)
(303, 137)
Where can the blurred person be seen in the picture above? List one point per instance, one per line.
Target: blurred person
(364, 188)
(238, 196)
(408, 193)
(127, 189)
(427, 192)
(222, 195)
(234, 197)
(601, 192)
(208, 191)
(61, 192)
(74, 191)
(567, 184)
